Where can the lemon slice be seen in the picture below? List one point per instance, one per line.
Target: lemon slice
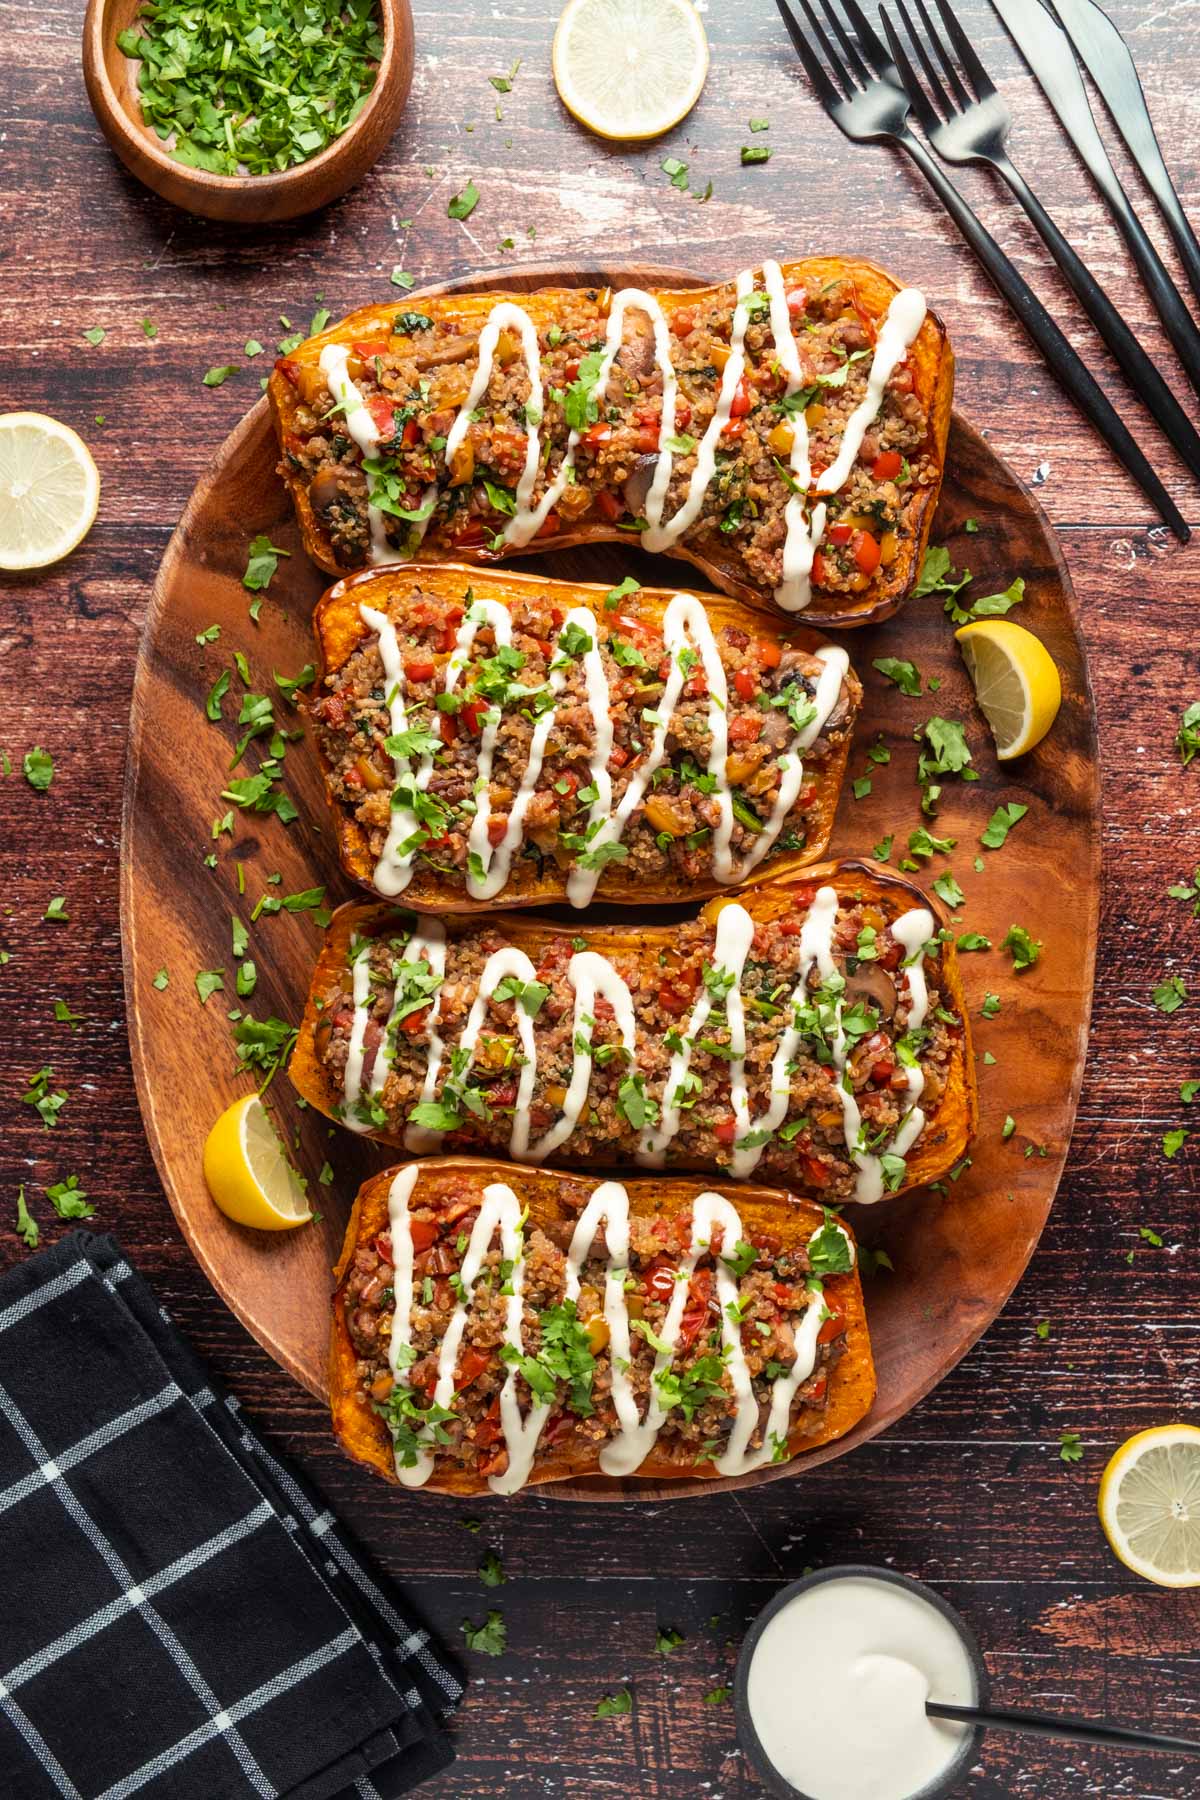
(1016, 682)
(49, 490)
(629, 68)
(248, 1174)
(1150, 1505)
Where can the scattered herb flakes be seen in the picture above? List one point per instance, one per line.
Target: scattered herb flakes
(874, 1262)
(1188, 1091)
(883, 849)
(56, 912)
(1070, 1449)
(971, 526)
(1173, 1142)
(491, 1570)
(27, 1225)
(614, 1706)
(991, 1006)
(717, 1696)
(263, 1045)
(1187, 738)
(69, 1200)
(95, 334)
(906, 675)
(947, 889)
(1042, 1327)
(974, 940)
(1170, 994)
(1025, 949)
(1001, 823)
(490, 1638)
(1151, 1237)
(261, 564)
(253, 89)
(252, 347)
(319, 320)
(464, 204)
(326, 1176)
(760, 124)
(402, 279)
(216, 693)
(471, 1524)
(161, 980)
(938, 576)
(944, 751)
(209, 982)
(862, 787)
(218, 377)
(64, 1016)
(209, 635)
(46, 1100)
(1008, 1127)
(38, 768)
(666, 1639)
(755, 153)
(288, 684)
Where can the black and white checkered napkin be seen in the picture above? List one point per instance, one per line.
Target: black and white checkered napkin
(179, 1615)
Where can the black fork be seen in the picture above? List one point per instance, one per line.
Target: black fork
(864, 97)
(965, 127)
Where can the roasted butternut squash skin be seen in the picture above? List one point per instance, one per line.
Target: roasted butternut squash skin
(444, 1198)
(755, 704)
(587, 1080)
(450, 491)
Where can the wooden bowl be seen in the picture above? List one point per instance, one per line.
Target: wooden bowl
(111, 79)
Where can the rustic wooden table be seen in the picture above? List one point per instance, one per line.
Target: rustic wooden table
(970, 1492)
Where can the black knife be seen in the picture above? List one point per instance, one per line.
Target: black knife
(1107, 59)
(1047, 50)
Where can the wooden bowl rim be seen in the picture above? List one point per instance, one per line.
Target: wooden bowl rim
(144, 139)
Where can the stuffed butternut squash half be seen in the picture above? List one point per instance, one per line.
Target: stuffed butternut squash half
(784, 431)
(496, 1327)
(811, 1033)
(496, 739)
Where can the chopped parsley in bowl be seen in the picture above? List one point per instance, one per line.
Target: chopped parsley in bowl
(240, 88)
(248, 110)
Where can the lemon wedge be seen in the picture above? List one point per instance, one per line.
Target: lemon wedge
(248, 1174)
(1016, 682)
(49, 490)
(1150, 1505)
(629, 69)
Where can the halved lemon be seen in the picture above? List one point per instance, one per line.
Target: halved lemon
(629, 69)
(247, 1172)
(49, 490)
(1016, 682)
(1150, 1505)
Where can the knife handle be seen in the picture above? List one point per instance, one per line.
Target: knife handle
(1168, 301)
(1135, 364)
(1066, 366)
(1157, 179)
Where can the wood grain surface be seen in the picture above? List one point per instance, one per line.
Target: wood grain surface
(973, 1244)
(969, 1492)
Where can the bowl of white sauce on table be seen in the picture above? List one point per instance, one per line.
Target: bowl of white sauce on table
(832, 1682)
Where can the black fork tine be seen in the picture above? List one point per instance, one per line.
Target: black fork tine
(841, 73)
(827, 94)
(926, 117)
(984, 86)
(847, 42)
(944, 57)
(869, 40)
(940, 97)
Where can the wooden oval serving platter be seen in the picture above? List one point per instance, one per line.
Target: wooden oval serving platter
(956, 1256)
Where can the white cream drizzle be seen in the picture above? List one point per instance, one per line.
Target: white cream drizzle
(685, 627)
(637, 1432)
(805, 528)
(365, 433)
(590, 974)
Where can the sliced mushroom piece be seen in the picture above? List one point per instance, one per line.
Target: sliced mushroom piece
(875, 986)
(448, 350)
(637, 483)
